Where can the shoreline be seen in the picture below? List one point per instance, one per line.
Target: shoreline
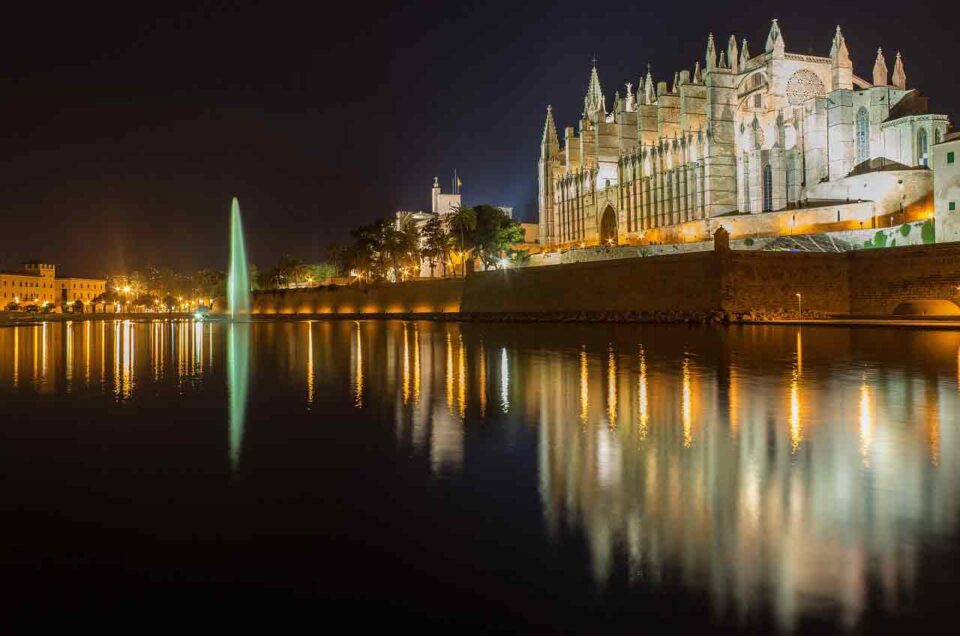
(716, 318)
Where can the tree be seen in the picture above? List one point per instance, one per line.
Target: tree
(494, 235)
(209, 283)
(367, 255)
(463, 221)
(337, 256)
(437, 242)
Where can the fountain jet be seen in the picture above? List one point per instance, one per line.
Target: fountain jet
(238, 276)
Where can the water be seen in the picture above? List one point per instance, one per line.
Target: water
(544, 476)
(238, 274)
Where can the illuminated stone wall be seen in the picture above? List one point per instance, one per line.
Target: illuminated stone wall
(678, 286)
(682, 282)
(878, 283)
(415, 297)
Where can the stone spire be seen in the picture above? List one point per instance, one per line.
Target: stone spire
(880, 73)
(838, 51)
(711, 54)
(733, 55)
(594, 100)
(899, 75)
(744, 54)
(723, 60)
(775, 42)
(697, 73)
(631, 101)
(648, 90)
(840, 62)
(676, 83)
(549, 140)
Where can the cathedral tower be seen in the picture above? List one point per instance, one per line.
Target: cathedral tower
(549, 161)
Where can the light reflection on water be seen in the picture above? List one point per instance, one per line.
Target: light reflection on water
(772, 468)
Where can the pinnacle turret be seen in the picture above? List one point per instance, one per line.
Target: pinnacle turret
(899, 75)
(648, 89)
(733, 55)
(838, 51)
(775, 43)
(550, 139)
(697, 74)
(744, 54)
(880, 73)
(594, 100)
(711, 54)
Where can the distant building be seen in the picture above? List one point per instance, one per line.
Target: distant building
(946, 188)
(739, 135)
(442, 205)
(37, 284)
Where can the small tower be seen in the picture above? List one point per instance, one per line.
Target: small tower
(840, 63)
(880, 73)
(899, 75)
(733, 55)
(549, 159)
(775, 42)
(435, 195)
(648, 89)
(697, 74)
(594, 102)
(711, 54)
(744, 54)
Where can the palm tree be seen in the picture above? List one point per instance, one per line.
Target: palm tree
(463, 220)
(436, 242)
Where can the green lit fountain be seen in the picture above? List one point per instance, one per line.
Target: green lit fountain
(238, 336)
(238, 275)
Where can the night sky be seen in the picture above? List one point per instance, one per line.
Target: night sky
(127, 128)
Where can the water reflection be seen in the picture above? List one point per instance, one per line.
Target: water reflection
(238, 378)
(773, 470)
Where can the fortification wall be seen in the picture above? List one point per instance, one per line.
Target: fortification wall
(682, 282)
(882, 279)
(768, 282)
(679, 286)
(414, 297)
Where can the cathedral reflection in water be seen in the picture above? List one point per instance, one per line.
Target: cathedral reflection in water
(767, 466)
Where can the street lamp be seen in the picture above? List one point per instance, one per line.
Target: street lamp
(799, 306)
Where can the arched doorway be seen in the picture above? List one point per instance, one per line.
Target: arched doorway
(608, 227)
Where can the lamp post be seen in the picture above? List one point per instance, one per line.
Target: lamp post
(799, 306)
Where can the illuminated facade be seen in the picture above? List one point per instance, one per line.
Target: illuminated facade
(742, 134)
(38, 285)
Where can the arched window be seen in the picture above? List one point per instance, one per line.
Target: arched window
(922, 148)
(863, 136)
(767, 188)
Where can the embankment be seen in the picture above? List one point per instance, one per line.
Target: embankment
(716, 285)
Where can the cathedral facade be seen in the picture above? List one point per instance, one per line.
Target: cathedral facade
(740, 134)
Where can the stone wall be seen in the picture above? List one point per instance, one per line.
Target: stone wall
(414, 297)
(695, 285)
(768, 282)
(682, 282)
(882, 279)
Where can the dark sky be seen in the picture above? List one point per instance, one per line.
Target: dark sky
(126, 127)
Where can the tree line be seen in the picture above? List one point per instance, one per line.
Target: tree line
(392, 248)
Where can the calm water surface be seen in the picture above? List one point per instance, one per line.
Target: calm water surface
(547, 476)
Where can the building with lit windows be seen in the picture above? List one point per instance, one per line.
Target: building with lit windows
(753, 139)
(946, 187)
(38, 284)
